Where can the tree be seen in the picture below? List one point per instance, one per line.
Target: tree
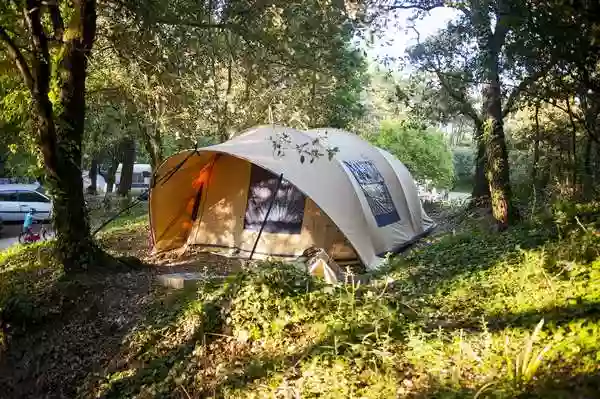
(52, 61)
(478, 52)
(572, 83)
(195, 69)
(128, 155)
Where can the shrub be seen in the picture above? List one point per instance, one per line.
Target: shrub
(424, 151)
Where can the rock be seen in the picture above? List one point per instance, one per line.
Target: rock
(182, 280)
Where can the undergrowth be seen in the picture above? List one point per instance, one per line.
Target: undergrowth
(474, 314)
(28, 277)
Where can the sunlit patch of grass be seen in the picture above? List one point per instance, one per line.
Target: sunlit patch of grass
(134, 218)
(128, 235)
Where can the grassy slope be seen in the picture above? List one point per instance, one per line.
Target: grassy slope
(452, 319)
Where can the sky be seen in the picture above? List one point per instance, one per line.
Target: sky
(402, 37)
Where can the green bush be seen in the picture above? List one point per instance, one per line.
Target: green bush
(463, 159)
(424, 151)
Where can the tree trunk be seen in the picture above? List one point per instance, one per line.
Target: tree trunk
(60, 141)
(491, 37)
(74, 241)
(111, 173)
(60, 136)
(536, 149)
(573, 142)
(596, 158)
(128, 153)
(497, 168)
(153, 145)
(587, 167)
(481, 189)
(93, 188)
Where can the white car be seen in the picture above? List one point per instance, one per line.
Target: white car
(17, 199)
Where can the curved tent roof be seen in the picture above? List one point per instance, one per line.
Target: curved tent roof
(365, 191)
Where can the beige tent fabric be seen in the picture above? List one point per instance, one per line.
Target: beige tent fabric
(410, 201)
(421, 221)
(333, 194)
(413, 220)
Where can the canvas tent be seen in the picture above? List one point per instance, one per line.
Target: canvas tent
(245, 195)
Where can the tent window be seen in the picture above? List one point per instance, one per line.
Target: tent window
(287, 213)
(377, 194)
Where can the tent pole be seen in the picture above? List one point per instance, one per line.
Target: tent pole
(262, 226)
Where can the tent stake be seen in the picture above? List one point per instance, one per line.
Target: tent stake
(262, 226)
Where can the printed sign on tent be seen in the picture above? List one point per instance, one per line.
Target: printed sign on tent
(375, 190)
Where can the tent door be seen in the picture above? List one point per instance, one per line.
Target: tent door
(197, 201)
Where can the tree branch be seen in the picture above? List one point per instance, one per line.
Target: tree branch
(501, 30)
(18, 58)
(579, 119)
(193, 24)
(422, 6)
(56, 18)
(465, 106)
(41, 55)
(518, 90)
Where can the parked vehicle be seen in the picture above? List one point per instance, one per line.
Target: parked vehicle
(140, 182)
(17, 199)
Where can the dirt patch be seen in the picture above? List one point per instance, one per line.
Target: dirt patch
(134, 241)
(51, 359)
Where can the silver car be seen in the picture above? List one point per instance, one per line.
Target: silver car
(16, 200)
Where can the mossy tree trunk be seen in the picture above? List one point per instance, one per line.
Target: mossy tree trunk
(152, 140)
(74, 241)
(491, 36)
(481, 190)
(60, 125)
(497, 166)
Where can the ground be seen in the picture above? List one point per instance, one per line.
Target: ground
(460, 315)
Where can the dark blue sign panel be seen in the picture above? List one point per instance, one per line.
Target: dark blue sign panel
(375, 190)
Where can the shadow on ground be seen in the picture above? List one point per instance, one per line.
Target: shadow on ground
(57, 330)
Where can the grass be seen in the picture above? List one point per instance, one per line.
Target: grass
(133, 216)
(476, 314)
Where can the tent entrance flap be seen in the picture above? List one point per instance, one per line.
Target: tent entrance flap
(196, 206)
(262, 226)
(178, 204)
